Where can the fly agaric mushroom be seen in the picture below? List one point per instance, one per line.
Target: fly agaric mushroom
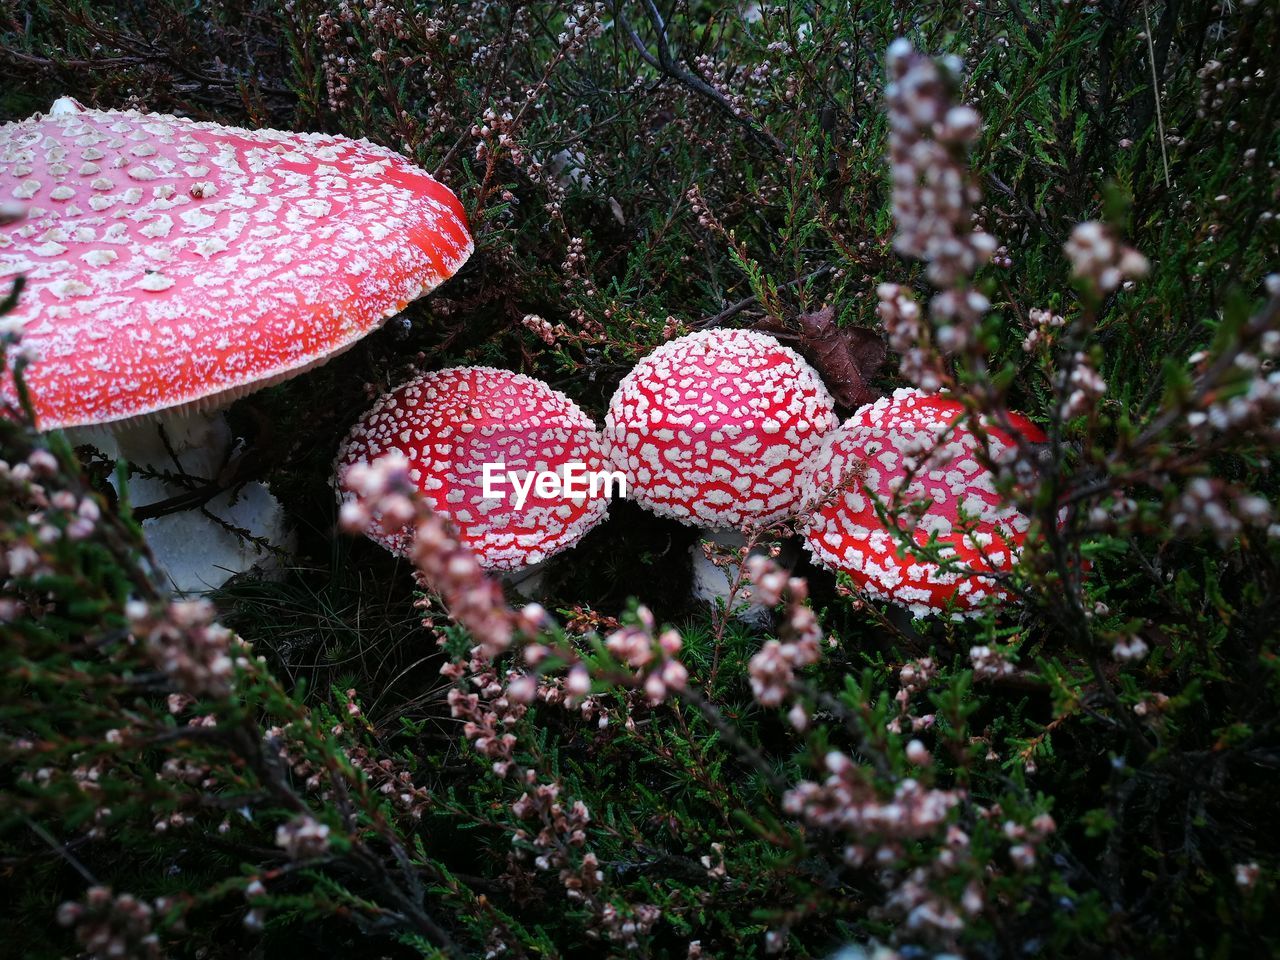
(714, 429)
(172, 263)
(465, 428)
(172, 266)
(912, 445)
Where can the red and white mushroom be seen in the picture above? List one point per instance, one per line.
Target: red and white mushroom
(450, 425)
(714, 429)
(914, 446)
(172, 263)
(172, 266)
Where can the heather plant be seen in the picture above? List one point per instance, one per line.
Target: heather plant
(1064, 210)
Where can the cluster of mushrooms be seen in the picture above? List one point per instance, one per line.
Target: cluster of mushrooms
(173, 266)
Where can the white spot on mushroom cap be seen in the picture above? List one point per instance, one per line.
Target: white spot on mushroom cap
(155, 282)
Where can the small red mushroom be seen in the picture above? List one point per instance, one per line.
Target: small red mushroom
(172, 263)
(714, 428)
(453, 424)
(915, 439)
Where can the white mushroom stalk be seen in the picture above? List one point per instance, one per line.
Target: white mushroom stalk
(221, 532)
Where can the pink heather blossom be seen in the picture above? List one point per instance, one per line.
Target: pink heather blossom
(303, 838)
(1100, 260)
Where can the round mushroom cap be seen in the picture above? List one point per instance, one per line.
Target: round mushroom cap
(171, 263)
(449, 424)
(714, 428)
(917, 433)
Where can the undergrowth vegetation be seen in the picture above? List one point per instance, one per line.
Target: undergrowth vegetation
(372, 756)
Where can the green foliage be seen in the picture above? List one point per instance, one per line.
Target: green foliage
(718, 168)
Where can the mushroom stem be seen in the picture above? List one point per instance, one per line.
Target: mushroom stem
(528, 582)
(712, 583)
(222, 532)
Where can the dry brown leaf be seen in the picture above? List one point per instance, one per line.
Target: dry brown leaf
(847, 358)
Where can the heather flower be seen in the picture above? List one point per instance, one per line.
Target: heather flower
(916, 675)
(933, 192)
(1210, 504)
(199, 655)
(772, 669)
(989, 663)
(919, 754)
(631, 645)
(767, 578)
(848, 802)
(1085, 387)
(934, 196)
(1045, 325)
(109, 926)
(627, 927)
(1246, 875)
(303, 838)
(1100, 260)
(1129, 649)
(443, 561)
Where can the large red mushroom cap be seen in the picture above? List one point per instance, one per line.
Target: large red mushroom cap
(171, 263)
(912, 444)
(714, 428)
(449, 424)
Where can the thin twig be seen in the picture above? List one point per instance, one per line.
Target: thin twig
(731, 311)
(61, 850)
(1155, 93)
(665, 63)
